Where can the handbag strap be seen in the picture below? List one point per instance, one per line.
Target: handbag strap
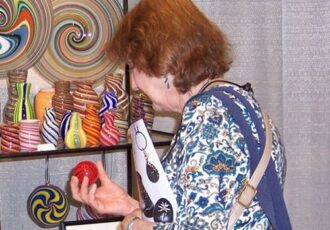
(270, 195)
(250, 187)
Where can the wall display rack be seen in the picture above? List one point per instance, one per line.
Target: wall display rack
(160, 139)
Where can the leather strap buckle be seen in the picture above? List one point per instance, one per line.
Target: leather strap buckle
(246, 195)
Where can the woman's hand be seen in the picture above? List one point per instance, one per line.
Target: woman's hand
(138, 223)
(109, 198)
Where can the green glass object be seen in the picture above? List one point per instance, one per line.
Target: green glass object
(23, 109)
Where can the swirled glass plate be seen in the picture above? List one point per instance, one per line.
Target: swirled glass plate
(25, 29)
(77, 49)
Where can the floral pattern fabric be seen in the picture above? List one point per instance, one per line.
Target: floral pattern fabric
(208, 163)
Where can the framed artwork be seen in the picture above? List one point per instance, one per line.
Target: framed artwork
(101, 224)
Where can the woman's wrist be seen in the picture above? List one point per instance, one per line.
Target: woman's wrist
(132, 222)
(134, 204)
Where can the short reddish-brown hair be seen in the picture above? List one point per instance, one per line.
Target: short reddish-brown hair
(172, 36)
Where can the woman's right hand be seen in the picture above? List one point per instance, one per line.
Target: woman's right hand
(108, 198)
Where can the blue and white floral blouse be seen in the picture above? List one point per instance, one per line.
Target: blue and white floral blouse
(208, 162)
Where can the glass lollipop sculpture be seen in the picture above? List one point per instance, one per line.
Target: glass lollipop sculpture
(48, 205)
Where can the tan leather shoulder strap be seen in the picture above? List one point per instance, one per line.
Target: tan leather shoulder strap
(249, 190)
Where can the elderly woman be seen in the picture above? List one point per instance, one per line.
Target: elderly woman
(178, 58)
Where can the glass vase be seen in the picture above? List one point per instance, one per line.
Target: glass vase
(43, 101)
(109, 132)
(29, 135)
(62, 100)
(84, 95)
(23, 109)
(50, 128)
(10, 138)
(75, 136)
(114, 82)
(14, 77)
(141, 108)
(92, 126)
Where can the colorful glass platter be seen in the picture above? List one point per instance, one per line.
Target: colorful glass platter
(25, 30)
(81, 31)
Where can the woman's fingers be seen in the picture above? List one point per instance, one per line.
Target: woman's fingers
(94, 202)
(103, 176)
(91, 195)
(84, 190)
(74, 184)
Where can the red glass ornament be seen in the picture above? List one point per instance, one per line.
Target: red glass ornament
(86, 168)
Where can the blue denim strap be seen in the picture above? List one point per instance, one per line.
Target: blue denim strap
(270, 195)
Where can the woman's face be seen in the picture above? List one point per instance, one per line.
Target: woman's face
(163, 98)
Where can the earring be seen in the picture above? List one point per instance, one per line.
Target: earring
(166, 81)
